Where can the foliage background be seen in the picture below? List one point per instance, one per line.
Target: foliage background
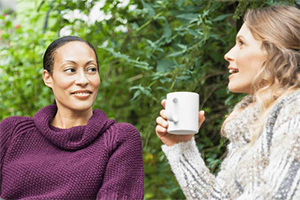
(146, 49)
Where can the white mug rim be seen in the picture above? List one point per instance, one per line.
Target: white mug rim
(183, 92)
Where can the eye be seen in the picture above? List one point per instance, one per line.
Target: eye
(241, 43)
(69, 70)
(92, 69)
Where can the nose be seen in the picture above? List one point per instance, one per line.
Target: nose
(82, 79)
(229, 56)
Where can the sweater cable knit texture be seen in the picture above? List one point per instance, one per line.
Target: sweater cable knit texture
(101, 160)
(269, 169)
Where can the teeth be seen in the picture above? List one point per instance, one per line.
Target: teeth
(233, 71)
(81, 93)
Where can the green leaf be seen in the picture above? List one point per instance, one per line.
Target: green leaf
(182, 46)
(136, 94)
(179, 3)
(148, 8)
(188, 17)
(221, 17)
(175, 54)
(164, 65)
(167, 30)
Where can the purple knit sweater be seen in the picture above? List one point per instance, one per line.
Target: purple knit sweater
(102, 160)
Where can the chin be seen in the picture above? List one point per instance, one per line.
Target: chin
(235, 91)
(239, 90)
(82, 108)
(237, 87)
(75, 106)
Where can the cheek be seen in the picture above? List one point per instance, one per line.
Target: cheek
(250, 62)
(243, 60)
(63, 82)
(95, 81)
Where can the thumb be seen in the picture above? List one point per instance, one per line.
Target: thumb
(201, 117)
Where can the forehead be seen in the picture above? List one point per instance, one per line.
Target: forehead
(245, 32)
(247, 35)
(74, 50)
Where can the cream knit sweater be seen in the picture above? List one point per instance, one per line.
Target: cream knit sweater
(269, 169)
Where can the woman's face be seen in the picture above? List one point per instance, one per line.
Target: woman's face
(75, 79)
(245, 61)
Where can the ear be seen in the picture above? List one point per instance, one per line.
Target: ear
(47, 78)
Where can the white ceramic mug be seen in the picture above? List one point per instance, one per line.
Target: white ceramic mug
(182, 110)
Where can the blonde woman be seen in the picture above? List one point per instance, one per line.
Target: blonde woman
(263, 160)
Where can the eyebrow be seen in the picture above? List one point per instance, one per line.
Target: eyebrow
(91, 61)
(240, 37)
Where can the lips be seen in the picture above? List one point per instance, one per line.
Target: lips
(233, 70)
(81, 93)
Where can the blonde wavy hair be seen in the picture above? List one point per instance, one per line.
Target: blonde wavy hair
(278, 27)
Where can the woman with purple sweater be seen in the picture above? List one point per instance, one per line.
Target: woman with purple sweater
(67, 150)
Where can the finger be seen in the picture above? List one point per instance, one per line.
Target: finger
(163, 103)
(201, 117)
(163, 114)
(160, 131)
(162, 122)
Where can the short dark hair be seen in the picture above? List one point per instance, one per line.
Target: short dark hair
(49, 58)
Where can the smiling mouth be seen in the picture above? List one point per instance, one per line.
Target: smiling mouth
(81, 94)
(233, 71)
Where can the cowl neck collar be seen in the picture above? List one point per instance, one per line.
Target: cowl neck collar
(76, 137)
(238, 129)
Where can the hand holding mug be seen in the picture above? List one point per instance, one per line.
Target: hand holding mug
(162, 126)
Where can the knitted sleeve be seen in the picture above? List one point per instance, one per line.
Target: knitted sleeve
(7, 127)
(191, 173)
(124, 175)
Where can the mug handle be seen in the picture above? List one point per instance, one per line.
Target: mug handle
(170, 111)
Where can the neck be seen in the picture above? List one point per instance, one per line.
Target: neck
(65, 119)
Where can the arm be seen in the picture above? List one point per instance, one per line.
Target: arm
(124, 176)
(189, 168)
(191, 173)
(6, 131)
(186, 163)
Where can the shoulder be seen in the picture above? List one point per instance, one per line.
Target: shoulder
(125, 134)
(122, 135)
(12, 122)
(290, 100)
(289, 105)
(286, 112)
(282, 133)
(11, 126)
(127, 131)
